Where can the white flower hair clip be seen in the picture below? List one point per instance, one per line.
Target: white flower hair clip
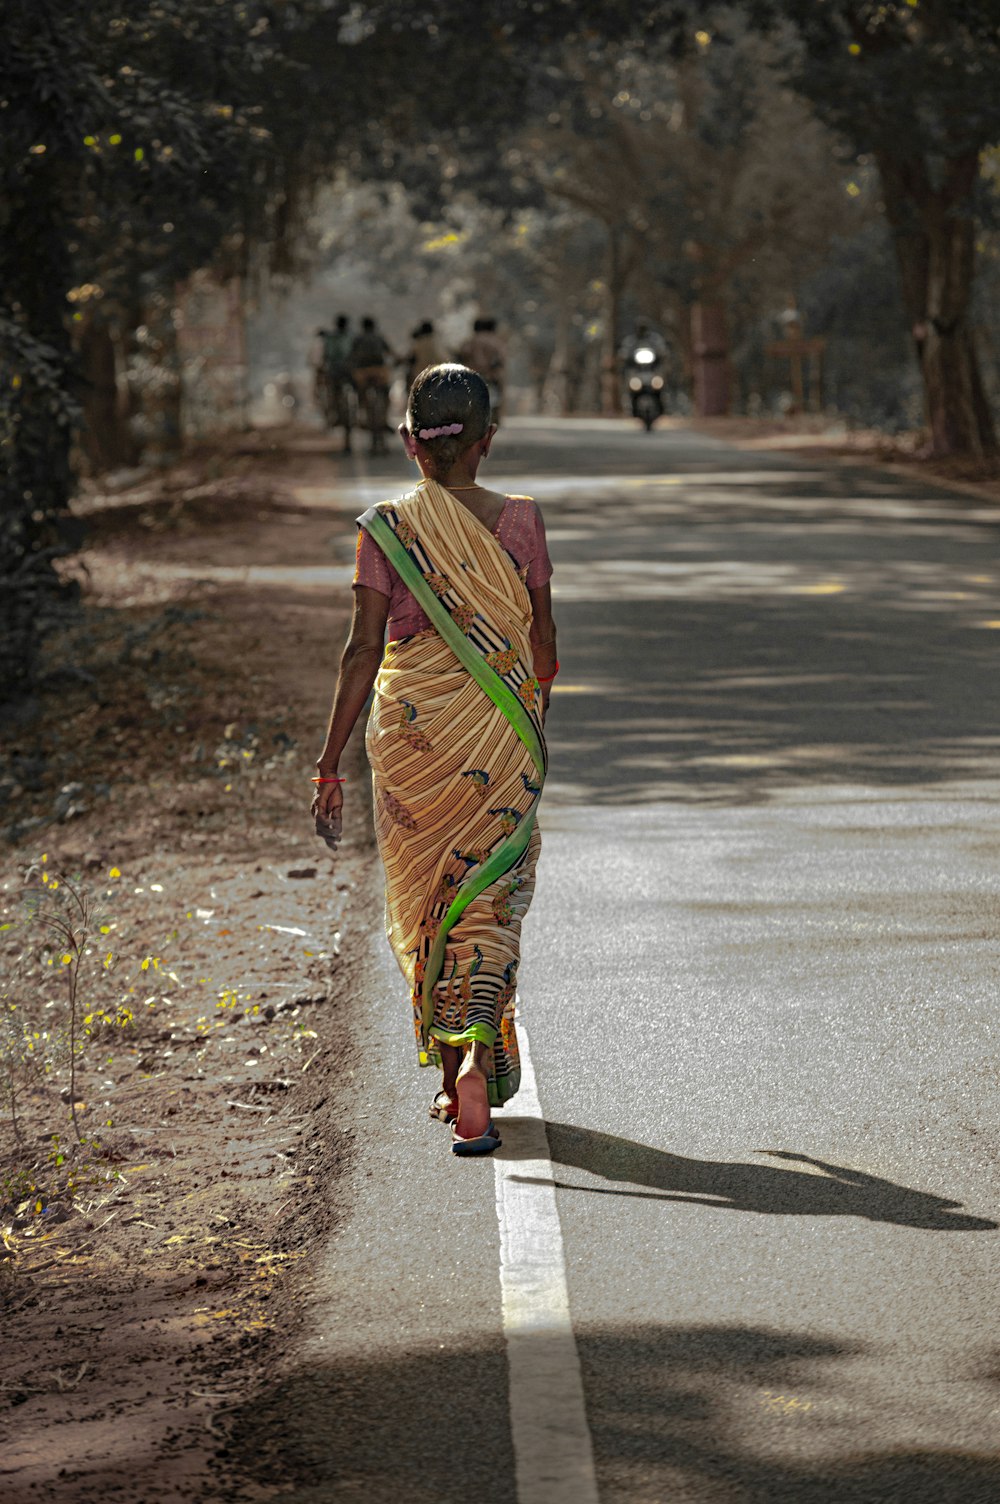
(440, 433)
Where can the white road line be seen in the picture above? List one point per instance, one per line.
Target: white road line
(553, 1455)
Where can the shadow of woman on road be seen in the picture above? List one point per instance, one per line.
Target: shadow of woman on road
(822, 1190)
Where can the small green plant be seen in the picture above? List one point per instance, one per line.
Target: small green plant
(19, 1058)
(16, 1186)
(61, 993)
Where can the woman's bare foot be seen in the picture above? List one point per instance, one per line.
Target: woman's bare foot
(444, 1109)
(451, 1060)
(473, 1095)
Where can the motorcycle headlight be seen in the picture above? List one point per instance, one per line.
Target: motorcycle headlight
(634, 384)
(657, 383)
(644, 357)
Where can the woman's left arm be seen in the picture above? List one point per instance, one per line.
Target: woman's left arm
(543, 640)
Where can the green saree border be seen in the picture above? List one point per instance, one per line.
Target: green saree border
(487, 678)
(478, 1033)
(510, 852)
(478, 880)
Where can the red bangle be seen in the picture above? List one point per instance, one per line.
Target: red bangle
(549, 677)
(329, 780)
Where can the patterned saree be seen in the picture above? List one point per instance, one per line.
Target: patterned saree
(458, 759)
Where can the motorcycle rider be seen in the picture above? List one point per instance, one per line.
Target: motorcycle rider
(642, 357)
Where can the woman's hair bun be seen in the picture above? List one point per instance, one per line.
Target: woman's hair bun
(448, 409)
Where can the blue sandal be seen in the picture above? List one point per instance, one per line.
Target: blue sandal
(485, 1144)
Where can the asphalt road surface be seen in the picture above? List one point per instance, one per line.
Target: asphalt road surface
(760, 987)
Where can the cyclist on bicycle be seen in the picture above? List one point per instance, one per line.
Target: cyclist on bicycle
(486, 353)
(334, 377)
(371, 361)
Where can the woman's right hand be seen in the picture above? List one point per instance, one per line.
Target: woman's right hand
(327, 812)
(328, 797)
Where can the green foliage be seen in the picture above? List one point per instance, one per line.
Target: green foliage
(915, 78)
(136, 145)
(35, 526)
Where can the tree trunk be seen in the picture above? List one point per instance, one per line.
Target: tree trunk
(956, 403)
(710, 344)
(617, 275)
(104, 437)
(557, 379)
(679, 321)
(934, 233)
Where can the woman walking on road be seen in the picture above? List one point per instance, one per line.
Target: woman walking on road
(461, 576)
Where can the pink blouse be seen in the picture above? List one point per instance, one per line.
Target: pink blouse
(520, 532)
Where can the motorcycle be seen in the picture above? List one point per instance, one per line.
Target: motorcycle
(646, 387)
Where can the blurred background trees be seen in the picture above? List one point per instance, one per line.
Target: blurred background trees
(755, 178)
(914, 87)
(138, 144)
(717, 192)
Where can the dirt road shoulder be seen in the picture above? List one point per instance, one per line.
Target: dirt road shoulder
(162, 775)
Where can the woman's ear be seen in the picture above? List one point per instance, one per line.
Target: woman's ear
(409, 442)
(487, 440)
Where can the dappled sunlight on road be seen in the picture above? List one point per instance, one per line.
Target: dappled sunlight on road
(726, 637)
(735, 1408)
(732, 627)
